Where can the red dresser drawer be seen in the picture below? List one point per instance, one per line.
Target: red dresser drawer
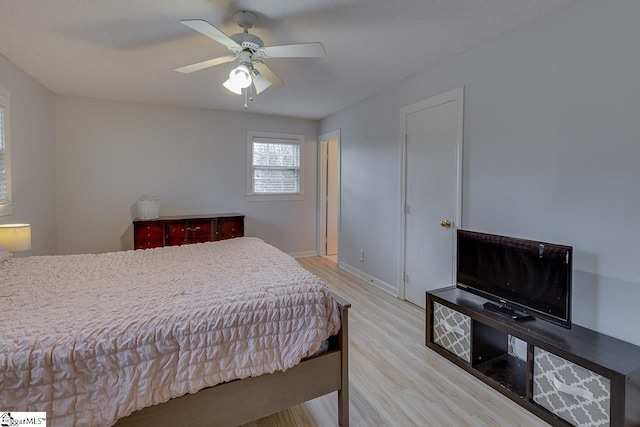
(148, 235)
(198, 231)
(176, 233)
(230, 228)
(192, 231)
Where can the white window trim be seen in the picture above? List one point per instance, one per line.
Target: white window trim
(257, 197)
(7, 208)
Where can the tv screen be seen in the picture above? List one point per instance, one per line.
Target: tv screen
(528, 275)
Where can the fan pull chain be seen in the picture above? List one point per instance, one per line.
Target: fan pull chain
(247, 98)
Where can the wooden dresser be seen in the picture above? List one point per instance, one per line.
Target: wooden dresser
(181, 230)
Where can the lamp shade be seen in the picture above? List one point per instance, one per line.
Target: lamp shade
(260, 82)
(233, 88)
(15, 237)
(240, 76)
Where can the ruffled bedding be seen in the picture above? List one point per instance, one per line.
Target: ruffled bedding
(91, 338)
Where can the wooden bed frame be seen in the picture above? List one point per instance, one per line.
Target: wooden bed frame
(242, 401)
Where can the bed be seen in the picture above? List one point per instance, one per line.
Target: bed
(218, 333)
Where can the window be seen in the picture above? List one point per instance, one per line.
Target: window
(5, 183)
(274, 166)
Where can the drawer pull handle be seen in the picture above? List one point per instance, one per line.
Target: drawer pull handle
(568, 389)
(193, 229)
(453, 329)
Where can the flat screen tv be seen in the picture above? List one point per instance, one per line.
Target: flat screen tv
(524, 277)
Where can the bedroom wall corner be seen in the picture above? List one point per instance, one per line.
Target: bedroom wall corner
(32, 151)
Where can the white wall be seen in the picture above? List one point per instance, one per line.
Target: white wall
(194, 160)
(551, 152)
(32, 142)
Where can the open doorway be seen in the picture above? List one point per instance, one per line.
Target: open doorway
(329, 203)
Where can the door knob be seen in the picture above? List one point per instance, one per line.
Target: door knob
(446, 223)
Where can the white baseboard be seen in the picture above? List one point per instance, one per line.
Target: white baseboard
(370, 279)
(303, 254)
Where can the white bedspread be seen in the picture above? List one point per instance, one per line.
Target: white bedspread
(91, 338)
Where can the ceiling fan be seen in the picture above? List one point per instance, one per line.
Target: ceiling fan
(247, 48)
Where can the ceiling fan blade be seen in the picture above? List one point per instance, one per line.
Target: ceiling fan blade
(203, 27)
(266, 72)
(302, 50)
(205, 64)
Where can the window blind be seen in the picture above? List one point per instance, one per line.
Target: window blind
(276, 166)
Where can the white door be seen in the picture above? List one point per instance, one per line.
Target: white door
(432, 193)
(332, 197)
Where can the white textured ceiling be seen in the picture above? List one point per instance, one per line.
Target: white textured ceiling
(127, 49)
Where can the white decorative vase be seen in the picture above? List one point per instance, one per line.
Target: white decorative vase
(148, 207)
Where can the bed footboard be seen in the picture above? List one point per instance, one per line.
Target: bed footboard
(343, 345)
(241, 401)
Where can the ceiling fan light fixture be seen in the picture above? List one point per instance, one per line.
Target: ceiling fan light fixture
(232, 87)
(246, 48)
(240, 76)
(260, 82)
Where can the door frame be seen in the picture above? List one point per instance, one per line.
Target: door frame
(454, 95)
(322, 193)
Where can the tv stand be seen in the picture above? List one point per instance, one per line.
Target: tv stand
(518, 316)
(564, 376)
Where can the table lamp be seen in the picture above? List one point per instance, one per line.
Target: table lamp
(15, 237)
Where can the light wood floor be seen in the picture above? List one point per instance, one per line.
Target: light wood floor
(395, 379)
